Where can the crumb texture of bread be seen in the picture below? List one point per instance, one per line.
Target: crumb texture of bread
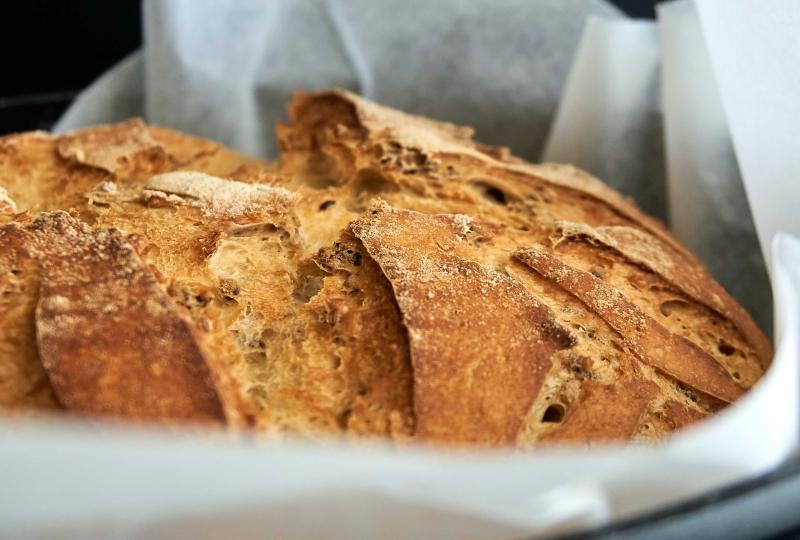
(387, 277)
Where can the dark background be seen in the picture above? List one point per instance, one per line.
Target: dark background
(54, 48)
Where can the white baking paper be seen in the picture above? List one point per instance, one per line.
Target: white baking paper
(755, 54)
(609, 118)
(707, 203)
(613, 122)
(225, 71)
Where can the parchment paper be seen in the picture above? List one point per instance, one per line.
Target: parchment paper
(225, 71)
(708, 208)
(609, 118)
(755, 63)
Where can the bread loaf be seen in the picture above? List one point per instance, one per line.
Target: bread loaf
(387, 277)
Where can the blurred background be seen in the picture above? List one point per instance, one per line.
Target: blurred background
(53, 49)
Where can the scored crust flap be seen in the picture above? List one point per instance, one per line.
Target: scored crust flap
(651, 342)
(685, 274)
(480, 343)
(109, 337)
(23, 382)
(422, 145)
(605, 412)
(113, 147)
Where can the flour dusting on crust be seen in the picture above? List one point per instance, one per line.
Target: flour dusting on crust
(218, 197)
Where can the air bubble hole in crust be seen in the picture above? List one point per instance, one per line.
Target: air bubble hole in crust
(307, 289)
(670, 306)
(491, 193)
(372, 183)
(553, 414)
(726, 348)
(496, 195)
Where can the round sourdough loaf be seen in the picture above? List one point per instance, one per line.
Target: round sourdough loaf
(387, 277)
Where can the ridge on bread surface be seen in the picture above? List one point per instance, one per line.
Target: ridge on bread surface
(387, 277)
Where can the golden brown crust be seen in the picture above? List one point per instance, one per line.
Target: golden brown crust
(23, 381)
(605, 412)
(110, 339)
(342, 141)
(114, 147)
(476, 372)
(650, 341)
(86, 169)
(188, 153)
(685, 274)
(37, 178)
(311, 348)
(315, 315)
(43, 172)
(425, 140)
